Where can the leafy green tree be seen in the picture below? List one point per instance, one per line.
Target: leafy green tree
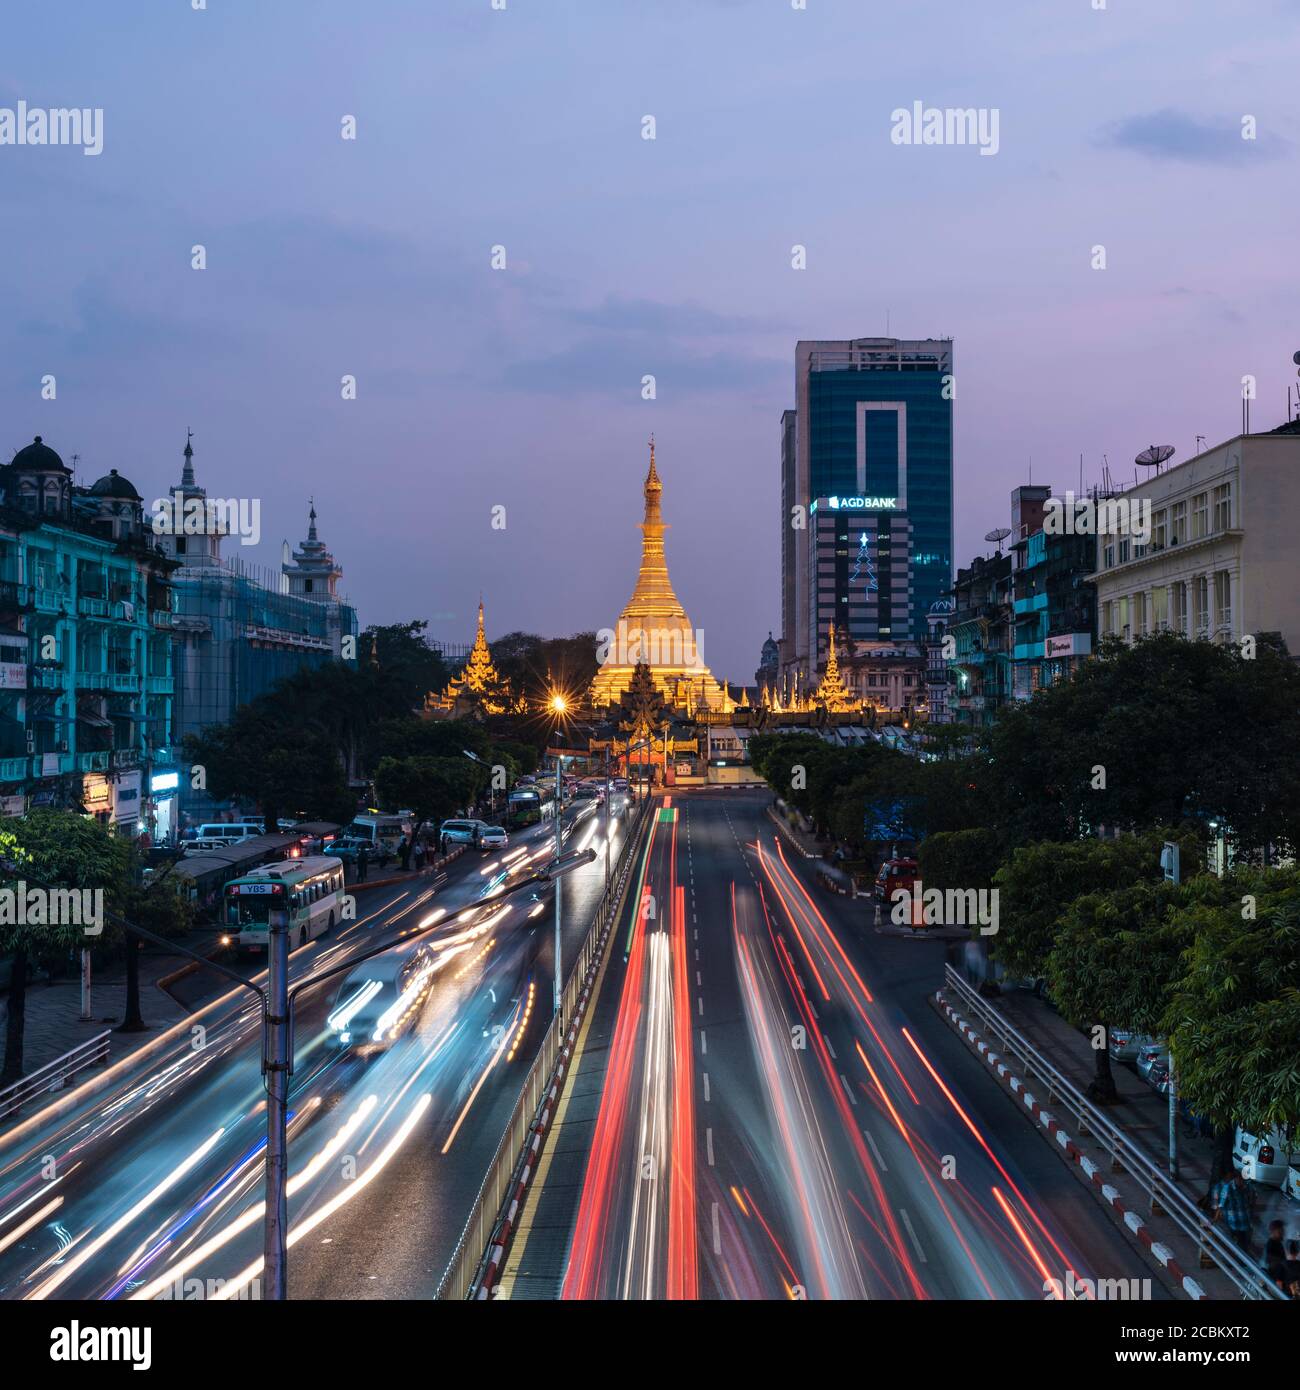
(433, 788)
(1233, 1017)
(409, 667)
(68, 851)
(960, 858)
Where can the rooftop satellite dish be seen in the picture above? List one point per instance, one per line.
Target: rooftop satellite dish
(997, 535)
(1155, 456)
(1295, 357)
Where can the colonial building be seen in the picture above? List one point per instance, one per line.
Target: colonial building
(85, 656)
(239, 630)
(653, 629)
(1219, 562)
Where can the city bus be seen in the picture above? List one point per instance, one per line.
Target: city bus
(307, 890)
(528, 805)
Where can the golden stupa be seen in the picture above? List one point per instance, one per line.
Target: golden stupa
(653, 629)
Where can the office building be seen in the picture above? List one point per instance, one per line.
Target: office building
(872, 424)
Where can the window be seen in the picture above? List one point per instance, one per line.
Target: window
(1124, 551)
(1223, 507)
(1108, 556)
(1123, 619)
(1178, 602)
(1159, 530)
(1223, 599)
(1107, 617)
(1159, 609)
(1200, 605)
(1139, 615)
(1200, 515)
(1178, 523)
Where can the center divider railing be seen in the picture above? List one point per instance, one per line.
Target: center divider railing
(1125, 1155)
(485, 1216)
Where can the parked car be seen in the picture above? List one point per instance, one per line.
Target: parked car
(460, 832)
(1151, 1056)
(348, 848)
(1292, 1186)
(1125, 1044)
(894, 874)
(1268, 1159)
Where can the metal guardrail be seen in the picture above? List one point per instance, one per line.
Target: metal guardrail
(55, 1075)
(1161, 1191)
(462, 1273)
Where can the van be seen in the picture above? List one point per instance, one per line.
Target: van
(380, 999)
(219, 833)
(385, 833)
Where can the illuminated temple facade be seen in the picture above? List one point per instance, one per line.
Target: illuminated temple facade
(654, 629)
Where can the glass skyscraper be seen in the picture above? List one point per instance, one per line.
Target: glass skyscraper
(872, 429)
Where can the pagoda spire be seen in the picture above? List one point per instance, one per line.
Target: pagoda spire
(187, 473)
(832, 695)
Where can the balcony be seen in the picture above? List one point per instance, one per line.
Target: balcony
(161, 617)
(14, 769)
(46, 678)
(93, 762)
(50, 600)
(13, 595)
(124, 681)
(126, 757)
(51, 764)
(158, 685)
(92, 606)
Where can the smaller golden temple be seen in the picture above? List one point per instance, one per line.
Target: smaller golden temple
(479, 684)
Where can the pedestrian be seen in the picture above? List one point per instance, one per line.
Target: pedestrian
(363, 862)
(1232, 1201)
(1291, 1270)
(417, 854)
(404, 853)
(1274, 1248)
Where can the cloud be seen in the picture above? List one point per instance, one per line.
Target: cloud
(1173, 135)
(609, 363)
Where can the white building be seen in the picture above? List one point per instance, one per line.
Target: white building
(1220, 561)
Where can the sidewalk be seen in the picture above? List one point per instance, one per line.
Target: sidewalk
(53, 1026)
(1141, 1110)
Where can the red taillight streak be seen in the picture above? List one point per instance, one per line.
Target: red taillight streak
(925, 1173)
(778, 1100)
(979, 1138)
(1024, 1237)
(846, 1115)
(586, 1256)
(776, 1244)
(803, 945)
(848, 989)
(683, 1270)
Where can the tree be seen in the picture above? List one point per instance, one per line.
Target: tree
(432, 788)
(270, 756)
(68, 851)
(1233, 1018)
(409, 668)
(960, 858)
(1063, 762)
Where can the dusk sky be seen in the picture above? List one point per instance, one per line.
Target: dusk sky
(625, 257)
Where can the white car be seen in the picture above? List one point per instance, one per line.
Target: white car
(1124, 1044)
(492, 837)
(1266, 1159)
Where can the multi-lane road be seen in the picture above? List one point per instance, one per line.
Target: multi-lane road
(782, 1115)
(153, 1186)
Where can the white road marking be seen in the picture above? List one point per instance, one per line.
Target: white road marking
(708, 1145)
(907, 1221)
(717, 1232)
(880, 1161)
(706, 1085)
(704, 1044)
(831, 1047)
(848, 1088)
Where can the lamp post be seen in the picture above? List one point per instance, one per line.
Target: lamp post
(558, 706)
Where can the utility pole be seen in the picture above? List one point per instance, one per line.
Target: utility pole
(275, 1063)
(609, 797)
(559, 850)
(1169, 862)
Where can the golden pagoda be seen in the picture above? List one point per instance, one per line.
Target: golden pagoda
(832, 694)
(653, 629)
(479, 682)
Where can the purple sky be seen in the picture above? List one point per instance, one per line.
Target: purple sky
(625, 257)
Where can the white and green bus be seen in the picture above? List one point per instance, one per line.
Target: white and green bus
(307, 890)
